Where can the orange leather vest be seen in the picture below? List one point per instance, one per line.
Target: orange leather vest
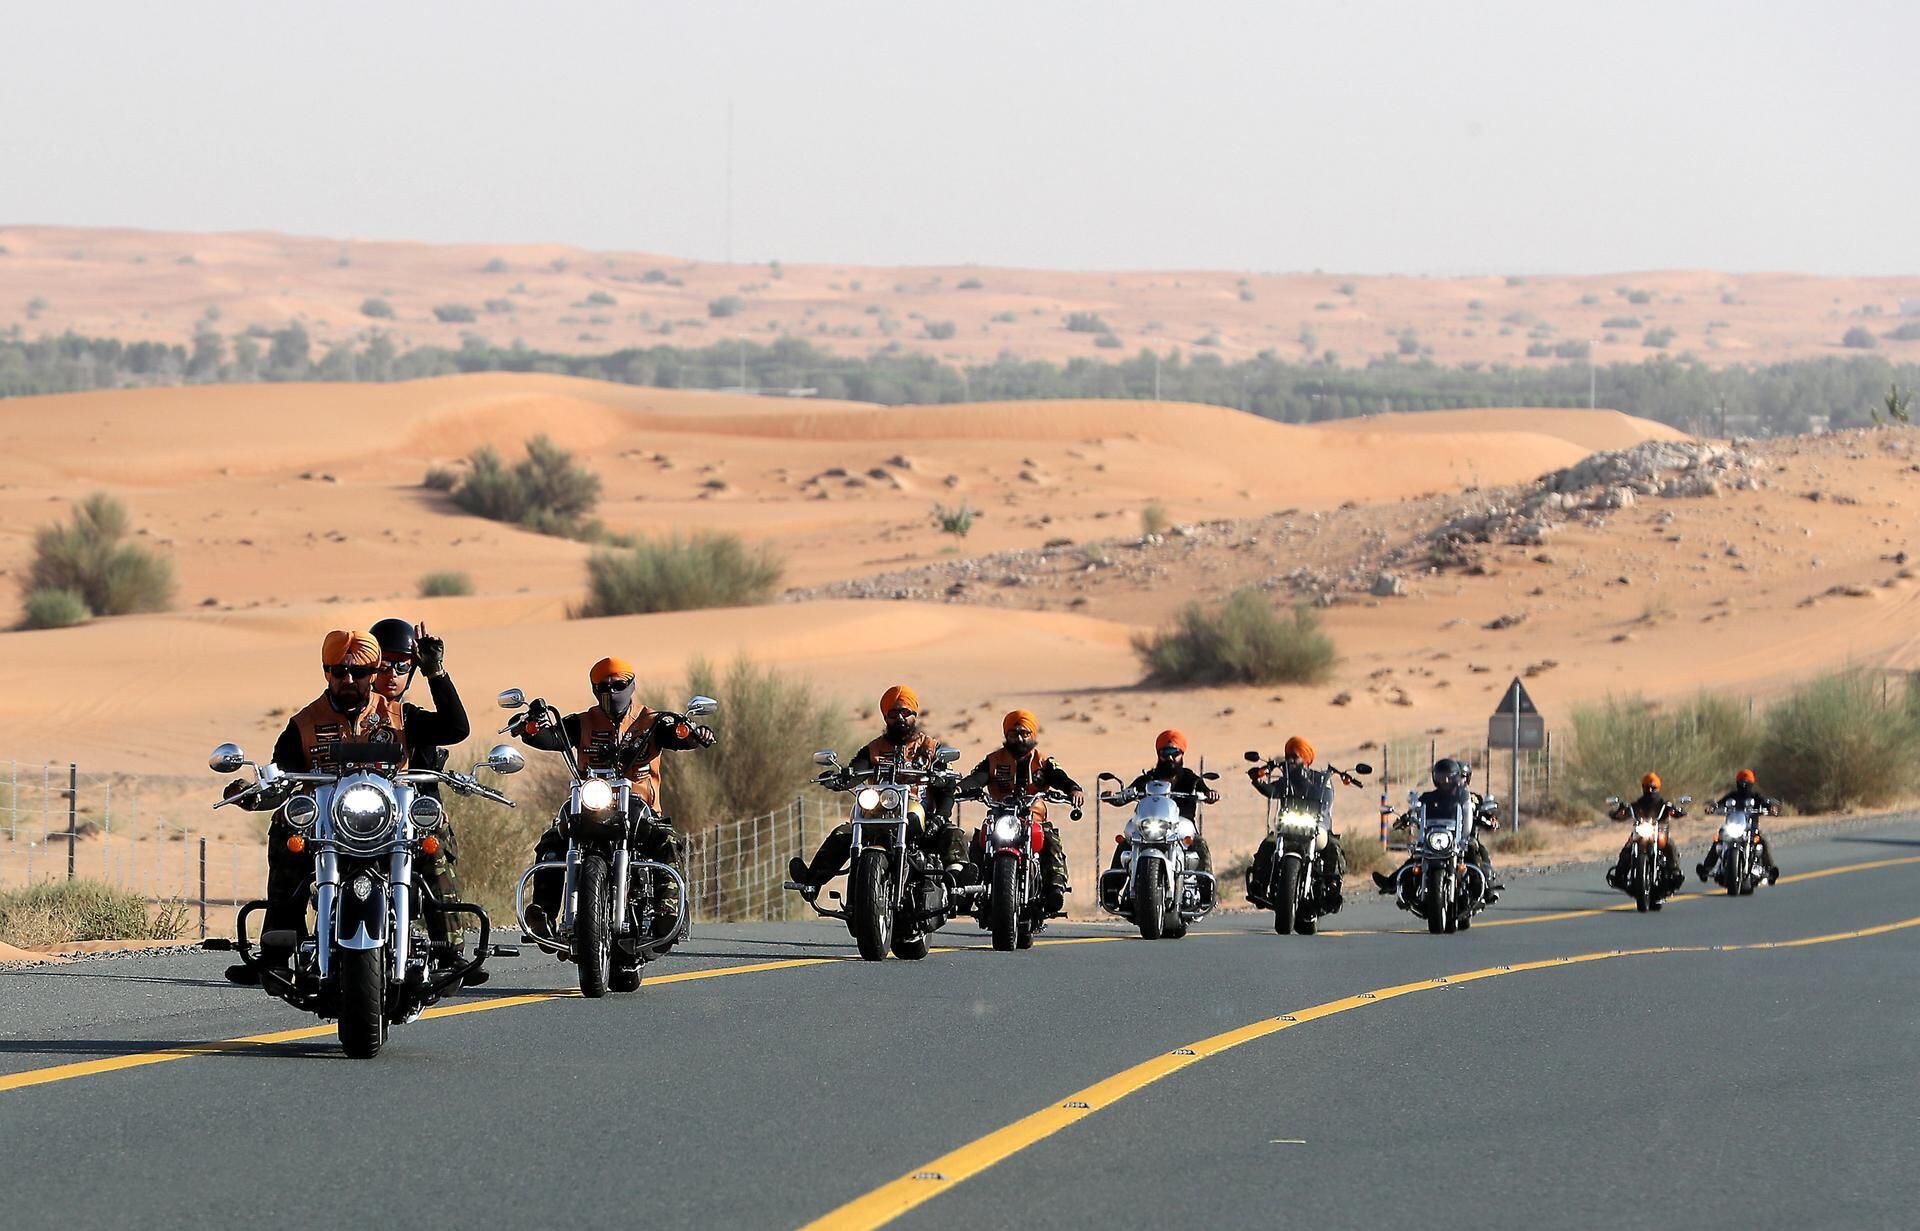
(917, 753)
(321, 727)
(600, 735)
(1004, 772)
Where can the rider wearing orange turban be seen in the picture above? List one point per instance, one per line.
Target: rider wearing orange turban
(1017, 766)
(1295, 777)
(1188, 787)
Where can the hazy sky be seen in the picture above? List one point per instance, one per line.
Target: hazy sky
(1366, 137)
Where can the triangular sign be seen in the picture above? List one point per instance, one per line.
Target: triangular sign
(1516, 692)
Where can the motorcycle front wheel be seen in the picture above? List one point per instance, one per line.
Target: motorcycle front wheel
(1149, 900)
(593, 927)
(362, 976)
(1002, 907)
(1284, 896)
(872, 904)
(1643, 892)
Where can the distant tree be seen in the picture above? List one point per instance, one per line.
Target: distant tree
(1087, 322)
(453, 314)
(726, 305)
(1859, 338)
(377, 308)
(290, 352)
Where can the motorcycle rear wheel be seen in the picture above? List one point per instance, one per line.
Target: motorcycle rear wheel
(1150, 900)
(1285, 896)
(908, 945)
(362, 976)
(593, 927)
(1002, 908)
(872, 904)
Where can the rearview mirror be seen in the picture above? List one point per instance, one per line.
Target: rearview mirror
(1209, 776)
(1363, 769)
(226, 759)
(503, 759)
(512, 699)
(1613, 801)
(700, 707)
(825, 756)
(946, 754)
(1105, 777)
(1686, 799)
(1252, 755)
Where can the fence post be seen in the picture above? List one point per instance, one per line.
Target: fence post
(73, 815)
(203, 888)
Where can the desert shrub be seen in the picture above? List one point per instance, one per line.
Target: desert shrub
(499, 307)
(679, 574)
(49, 608)
(955, 521)
(453, 314)
(1242, 641)
(1108, 341)
(1621, 322)
(726, 305)
(1571, 349)
(1364, 853)
(1694, 747)
(1637, 296)
(770, 724)
(600, 299)
(544, 491)
(1659, 338)
(1510, 841)
(968, 284)
(497, 265)
(1087, 322)
(377, 308)
(1840, 741)
(440, 479)
(86, 556)
(940, 331)
(1859, 338)
(1153, 518)
(446, 585)
(1348, 289)
(494, 843)
(58, 912)
(1909, 332)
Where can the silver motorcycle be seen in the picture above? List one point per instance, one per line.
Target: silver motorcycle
(1440, 884)
(605, 924)
(1739, 870)
(1158, 886)
(1300, 825)
(363, 962)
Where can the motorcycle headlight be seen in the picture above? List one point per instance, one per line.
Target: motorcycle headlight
(1006, 828)
(301, 812)
(426, 813)
(890, 800)
(1644, 829)
(596, 795)
(868, 800)
(1153, 829)
(1735, 829)
(1440, 840)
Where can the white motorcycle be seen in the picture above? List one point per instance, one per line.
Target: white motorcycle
(1158, 886)
(1740, 870)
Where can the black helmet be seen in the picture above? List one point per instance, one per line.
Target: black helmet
(1448, 773)
(395, 637)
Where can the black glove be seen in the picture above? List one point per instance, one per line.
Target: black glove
(429, 653)
(233, 788)
(704, 736)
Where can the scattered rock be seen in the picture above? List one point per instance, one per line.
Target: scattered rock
(1509, 620)
(1387, 585)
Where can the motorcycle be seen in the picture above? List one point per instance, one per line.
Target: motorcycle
(608, 917)
(1158, 886)
(1012, 904)
(896, 896)
(1300, 826)
(1740, 869)
(1652, 874)
(364, 963)
(1439, 883)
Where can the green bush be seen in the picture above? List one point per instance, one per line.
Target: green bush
(377, 308)
(1909, 332)
(1364, 853)
(453, 314)
(545, 491)
(59, 912)
(1242, 641)
(1694, 747)
(1087, 322)
(55, 609)
(1659, 338)
(1153, 518)
(679, 574)
(86, 556)
(1841, 741)
(726, 305)
(770, 724)
(440, 479)
(955, 521)
(446, 585)
(1859, 338)
(940, 331)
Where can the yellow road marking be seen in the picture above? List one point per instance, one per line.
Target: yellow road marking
(929, 1180)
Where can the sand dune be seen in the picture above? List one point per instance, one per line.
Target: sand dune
(1592, 430)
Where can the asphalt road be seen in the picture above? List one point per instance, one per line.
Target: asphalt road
(1757, 1068)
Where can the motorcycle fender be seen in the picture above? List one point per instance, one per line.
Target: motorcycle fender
(358, 924)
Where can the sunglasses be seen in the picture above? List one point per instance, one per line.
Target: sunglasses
(397, 666)
(358, 673)
(613, 685)
(1171, 753)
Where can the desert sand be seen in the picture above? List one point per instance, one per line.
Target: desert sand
(160, 286)
(289, 510)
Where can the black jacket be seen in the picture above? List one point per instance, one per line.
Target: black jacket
(427, 731)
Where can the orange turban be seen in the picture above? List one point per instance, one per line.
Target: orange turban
(1172, 737)
(349, 649)
(899, 697)
(610, 669)
(1299, 747)
(1020, 718)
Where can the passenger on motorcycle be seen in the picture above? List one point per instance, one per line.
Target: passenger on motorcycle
(1018, 765)
(406, 650)
(1450, 790)
(617, 734)
(1296, 777)
(1170, 754)
(1745, 795)
(349, 711)
(904, 744)
(1651, 806)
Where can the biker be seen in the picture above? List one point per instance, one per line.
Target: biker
(406, 650)
(904, 743)
(1295, 777)
(1450, 791)
(1651, 806)
(1744, 795)
(1018, 766)
(347, 712)
(1189, 788)
(615, 733)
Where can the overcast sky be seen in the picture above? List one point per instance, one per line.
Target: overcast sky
(1408, 137)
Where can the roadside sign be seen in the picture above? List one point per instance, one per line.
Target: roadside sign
(1516, 723)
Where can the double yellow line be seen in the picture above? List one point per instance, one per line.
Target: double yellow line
(942, 1174)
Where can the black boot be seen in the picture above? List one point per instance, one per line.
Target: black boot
(243, 974)
(1384, 882)
(797, 871)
